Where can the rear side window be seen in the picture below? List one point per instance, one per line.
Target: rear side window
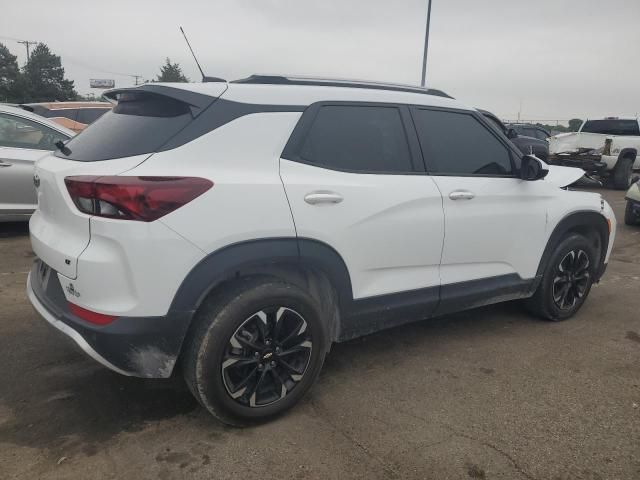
(458, 144)
(357, 138)
(612, 127)
(140, 123)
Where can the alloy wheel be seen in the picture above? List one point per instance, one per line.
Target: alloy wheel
(267, 356)
(571, 280)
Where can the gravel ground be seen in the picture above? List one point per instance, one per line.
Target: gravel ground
(490, 393)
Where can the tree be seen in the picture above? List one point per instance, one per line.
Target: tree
(44, 77)
(171, 72)
(575, 124)
(9, 73)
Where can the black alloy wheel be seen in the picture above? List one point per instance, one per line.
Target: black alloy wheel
(267, 356)
(571, 280)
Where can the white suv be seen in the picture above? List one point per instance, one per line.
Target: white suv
(239, 229)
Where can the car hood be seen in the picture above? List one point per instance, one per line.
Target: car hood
(563, 176)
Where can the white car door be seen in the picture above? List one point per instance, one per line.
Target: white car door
(22, 142)
(355, 183)
(495, 223)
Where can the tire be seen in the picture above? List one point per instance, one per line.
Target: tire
(630, 218)
(622, 173)
(548, 301)
(240, 325)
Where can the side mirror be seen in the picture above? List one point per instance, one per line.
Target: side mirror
(531, 168)
(511, 133)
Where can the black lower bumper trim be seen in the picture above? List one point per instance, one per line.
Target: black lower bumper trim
(138, 346)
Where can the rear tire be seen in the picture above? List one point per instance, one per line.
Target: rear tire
(622, 173)
(566, 281)
(255, 351)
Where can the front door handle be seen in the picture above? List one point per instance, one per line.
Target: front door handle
(461, 195)
(5, 164)
(315, 198)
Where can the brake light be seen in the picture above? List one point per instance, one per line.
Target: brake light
(89, 316)
(143, 199)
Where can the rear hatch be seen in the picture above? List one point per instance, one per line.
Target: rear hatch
(143, 121)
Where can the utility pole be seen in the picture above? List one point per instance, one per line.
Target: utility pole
(426, 46)
(27, 44)
(136, 77)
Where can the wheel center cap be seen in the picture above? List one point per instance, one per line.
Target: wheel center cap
(267, 356)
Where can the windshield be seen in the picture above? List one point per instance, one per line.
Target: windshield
(612, 127)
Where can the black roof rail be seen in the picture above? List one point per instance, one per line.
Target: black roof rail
(321, 82)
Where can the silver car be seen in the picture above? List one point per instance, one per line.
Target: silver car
(24, 138)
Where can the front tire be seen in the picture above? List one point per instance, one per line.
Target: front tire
(256, 350)
(566, 281)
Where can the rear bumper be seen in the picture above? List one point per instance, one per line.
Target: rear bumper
(134, 346)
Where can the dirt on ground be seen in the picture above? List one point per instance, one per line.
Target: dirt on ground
(486, 394)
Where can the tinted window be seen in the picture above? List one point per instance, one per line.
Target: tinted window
(457, 143)
(18, 132)
(140, 123)
(90, 115)
(612, 127)
(358, 138)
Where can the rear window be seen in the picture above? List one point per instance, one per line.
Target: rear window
(612, 127)
(140, 123)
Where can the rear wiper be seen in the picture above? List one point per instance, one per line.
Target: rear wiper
(63, 148)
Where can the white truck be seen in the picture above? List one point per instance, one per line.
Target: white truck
(607, 148)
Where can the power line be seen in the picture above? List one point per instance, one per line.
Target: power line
(75, 61)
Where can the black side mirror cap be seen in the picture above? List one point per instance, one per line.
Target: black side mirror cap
(511, 133)
(532, 169)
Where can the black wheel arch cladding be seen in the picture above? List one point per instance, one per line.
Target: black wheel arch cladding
(585, 223)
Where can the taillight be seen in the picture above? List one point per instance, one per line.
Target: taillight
(134, 198)
(89, 316)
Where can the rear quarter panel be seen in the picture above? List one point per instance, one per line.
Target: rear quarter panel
(247, 200)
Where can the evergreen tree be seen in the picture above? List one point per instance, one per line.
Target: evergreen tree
(9, 73)
(171, 72)
(44, 77)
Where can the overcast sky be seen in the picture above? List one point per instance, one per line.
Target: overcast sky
(558, 58)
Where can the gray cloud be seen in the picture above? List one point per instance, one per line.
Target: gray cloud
(560, 58)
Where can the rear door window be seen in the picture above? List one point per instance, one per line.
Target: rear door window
(457, 143)
(358, 138)
(140, 123)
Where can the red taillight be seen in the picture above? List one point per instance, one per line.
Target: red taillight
(134, 198)
(89, 316)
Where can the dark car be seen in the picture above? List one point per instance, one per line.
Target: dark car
(527, 145)
(529, 130)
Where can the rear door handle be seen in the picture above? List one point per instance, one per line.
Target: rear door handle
(461, 195)
(315, 198)
(5, 164)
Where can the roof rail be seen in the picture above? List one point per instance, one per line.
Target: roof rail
(323, 82)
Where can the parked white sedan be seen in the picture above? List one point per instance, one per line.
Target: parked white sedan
(24, 138)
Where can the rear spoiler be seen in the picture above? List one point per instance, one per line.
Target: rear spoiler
(196, 101)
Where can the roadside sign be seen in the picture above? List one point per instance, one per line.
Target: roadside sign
(102, 83)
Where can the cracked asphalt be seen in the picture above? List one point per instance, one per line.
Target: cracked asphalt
(486, 394)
